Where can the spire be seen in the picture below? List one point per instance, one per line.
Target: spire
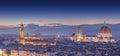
(79, 28)
(104, 23)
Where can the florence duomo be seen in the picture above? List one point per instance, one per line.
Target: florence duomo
(59, 28)
(104, 35)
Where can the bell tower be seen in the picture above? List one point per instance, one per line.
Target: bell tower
(79, 34)
(21, 31)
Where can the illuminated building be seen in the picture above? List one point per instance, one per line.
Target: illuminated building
(57, 36)
(22, 53)
(1, 52)
(22, 31)
(84, 38)
(104, 35)
(104, 31)
(79, 34)
(31, 39)
(74, 37)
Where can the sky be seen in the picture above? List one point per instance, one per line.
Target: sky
(70, 12)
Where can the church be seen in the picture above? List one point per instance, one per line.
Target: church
(104, 35)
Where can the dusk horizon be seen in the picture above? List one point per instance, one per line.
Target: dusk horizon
(59, 28)
(61, 11)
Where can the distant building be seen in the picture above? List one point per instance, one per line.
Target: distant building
(31, 39)
(104, 35)
(23, 53)
(79, 34)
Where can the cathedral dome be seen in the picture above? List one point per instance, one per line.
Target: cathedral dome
(104, 31)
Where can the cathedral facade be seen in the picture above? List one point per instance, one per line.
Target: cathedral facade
(104, 35)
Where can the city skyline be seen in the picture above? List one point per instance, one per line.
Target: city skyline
(59, 28)
(66, 12)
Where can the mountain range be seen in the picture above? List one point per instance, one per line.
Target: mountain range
(89, 29)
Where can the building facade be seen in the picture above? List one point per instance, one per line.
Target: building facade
(104, 35)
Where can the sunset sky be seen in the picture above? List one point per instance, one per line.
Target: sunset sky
(70, 12)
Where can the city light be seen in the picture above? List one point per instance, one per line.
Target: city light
(1, 51)
(59, 28)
